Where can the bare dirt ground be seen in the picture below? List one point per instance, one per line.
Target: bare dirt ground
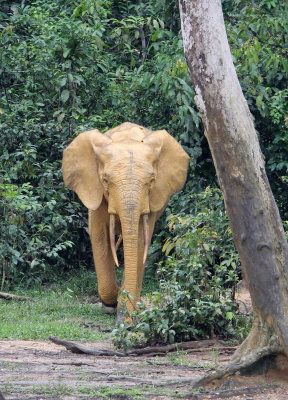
(31, 370)
(34, 370)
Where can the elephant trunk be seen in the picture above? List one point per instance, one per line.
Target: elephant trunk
(130, 232)
(131, 205)
(135, 232)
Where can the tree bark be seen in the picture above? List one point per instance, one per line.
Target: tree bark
(255, 221)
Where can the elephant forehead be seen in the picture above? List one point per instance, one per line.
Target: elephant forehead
(129, 165)
(131, 151)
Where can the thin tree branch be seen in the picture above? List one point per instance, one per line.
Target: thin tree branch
(9, 296)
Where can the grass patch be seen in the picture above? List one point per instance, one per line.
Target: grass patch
(55, 390)
(178, 358)
(108, 392)
(56, 312)
(61, 310)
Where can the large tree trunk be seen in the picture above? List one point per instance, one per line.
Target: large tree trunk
(253, 214)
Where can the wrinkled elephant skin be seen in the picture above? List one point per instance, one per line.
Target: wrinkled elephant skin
(125, 178)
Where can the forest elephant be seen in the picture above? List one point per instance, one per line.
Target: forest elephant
(125, 178)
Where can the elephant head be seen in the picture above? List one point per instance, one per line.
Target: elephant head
(134, 171)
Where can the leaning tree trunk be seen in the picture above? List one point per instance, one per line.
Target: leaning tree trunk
(256, 225)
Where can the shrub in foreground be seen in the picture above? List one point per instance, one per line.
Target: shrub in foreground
(197, 284)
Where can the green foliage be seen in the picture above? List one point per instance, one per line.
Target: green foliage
(33, 234)
(257, 33)
(197, 280)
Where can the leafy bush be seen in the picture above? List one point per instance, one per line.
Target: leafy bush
(35, 235)
(197, 280)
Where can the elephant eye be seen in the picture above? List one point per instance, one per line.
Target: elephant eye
(105, 180)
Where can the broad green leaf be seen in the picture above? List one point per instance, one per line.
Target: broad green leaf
(66, 52)
(64, 96)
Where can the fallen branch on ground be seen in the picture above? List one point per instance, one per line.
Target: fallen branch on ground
(80, 349)
(9, 296)
(103, 328)
(155, 350)
(100, 327)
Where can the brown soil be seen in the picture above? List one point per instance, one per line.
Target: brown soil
(42, 370)
(33, 370)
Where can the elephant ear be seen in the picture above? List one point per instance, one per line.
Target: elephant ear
(80, 167)
(171, 168)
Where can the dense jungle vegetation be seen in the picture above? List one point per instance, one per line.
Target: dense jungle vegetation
(69, 66)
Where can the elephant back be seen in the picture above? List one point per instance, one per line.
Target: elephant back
(128, 131)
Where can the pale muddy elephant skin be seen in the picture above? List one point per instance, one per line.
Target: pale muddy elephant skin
(125, 178)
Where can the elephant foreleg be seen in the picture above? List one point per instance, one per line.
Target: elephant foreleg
(103, 258)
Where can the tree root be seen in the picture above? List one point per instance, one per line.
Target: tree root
(227, 393)
(9, 296)
(155, 350)
(241, 362)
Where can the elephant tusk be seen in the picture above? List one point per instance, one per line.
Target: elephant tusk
(146, 236)
(112, 238)
(119, 241)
